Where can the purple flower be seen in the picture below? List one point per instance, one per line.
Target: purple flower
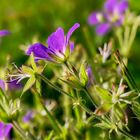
(28, 116)
(5, 130)
(2, 84)
(4, 33)
(59, 46)
(12, 85)
(90, 76)
(112, 15)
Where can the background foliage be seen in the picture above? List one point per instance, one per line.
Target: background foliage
(38, 18)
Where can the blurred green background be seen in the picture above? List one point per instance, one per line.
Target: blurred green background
(26, 19)
(29, 18)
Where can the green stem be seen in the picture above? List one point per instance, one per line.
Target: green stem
(133, 33)
(54, 86)
(62, 91)
(90, 49)
(23, 135)
(49, 115)
(52, 119)
(89, 96)
(127, 135)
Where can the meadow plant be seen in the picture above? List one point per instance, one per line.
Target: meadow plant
(83, 94)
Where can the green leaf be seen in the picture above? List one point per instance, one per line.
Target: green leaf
(136, 109)
(104, 108)
(38, 86)
(28, 84)
(72, 82)
(83, 75)
(104, 94)
(67, 52)
(119, 113)
(27, 70)
(33, 64)
(103, 125)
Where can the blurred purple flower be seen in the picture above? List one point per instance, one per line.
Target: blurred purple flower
(59, 46)
(90, 76)
(28, 116)
(5, 130)
(4, 33)
(112, 15)
(2, 84)
(12, 85)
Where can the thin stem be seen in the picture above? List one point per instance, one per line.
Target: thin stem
(64, 92)
(89, 96)
(24, 136)
(90, 48)
(52, 119)
(133, 33)
(127, 135)
(54, 86)
(49, 115)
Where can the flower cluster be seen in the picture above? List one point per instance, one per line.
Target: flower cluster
(112, 15)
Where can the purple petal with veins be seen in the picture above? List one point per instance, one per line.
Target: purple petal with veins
(56, 41)
(39, 50)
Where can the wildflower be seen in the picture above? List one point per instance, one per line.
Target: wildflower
(105, 51)
(28, 116)
(17, 76)
(112, 15)
(4, 33)
(5, 130)
(59, 46)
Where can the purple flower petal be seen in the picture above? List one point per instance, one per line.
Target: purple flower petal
(71, 46)
(5, 130)
(90, 76)
(4, 33)
(2, 84)
(13, 85)
(71, 30)
(8, 129)
(29, 115)
(56, 40)
(122, 6)
(110, 5)
(56, 49)
(93, 18)
(103, 28)
(39, 50)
